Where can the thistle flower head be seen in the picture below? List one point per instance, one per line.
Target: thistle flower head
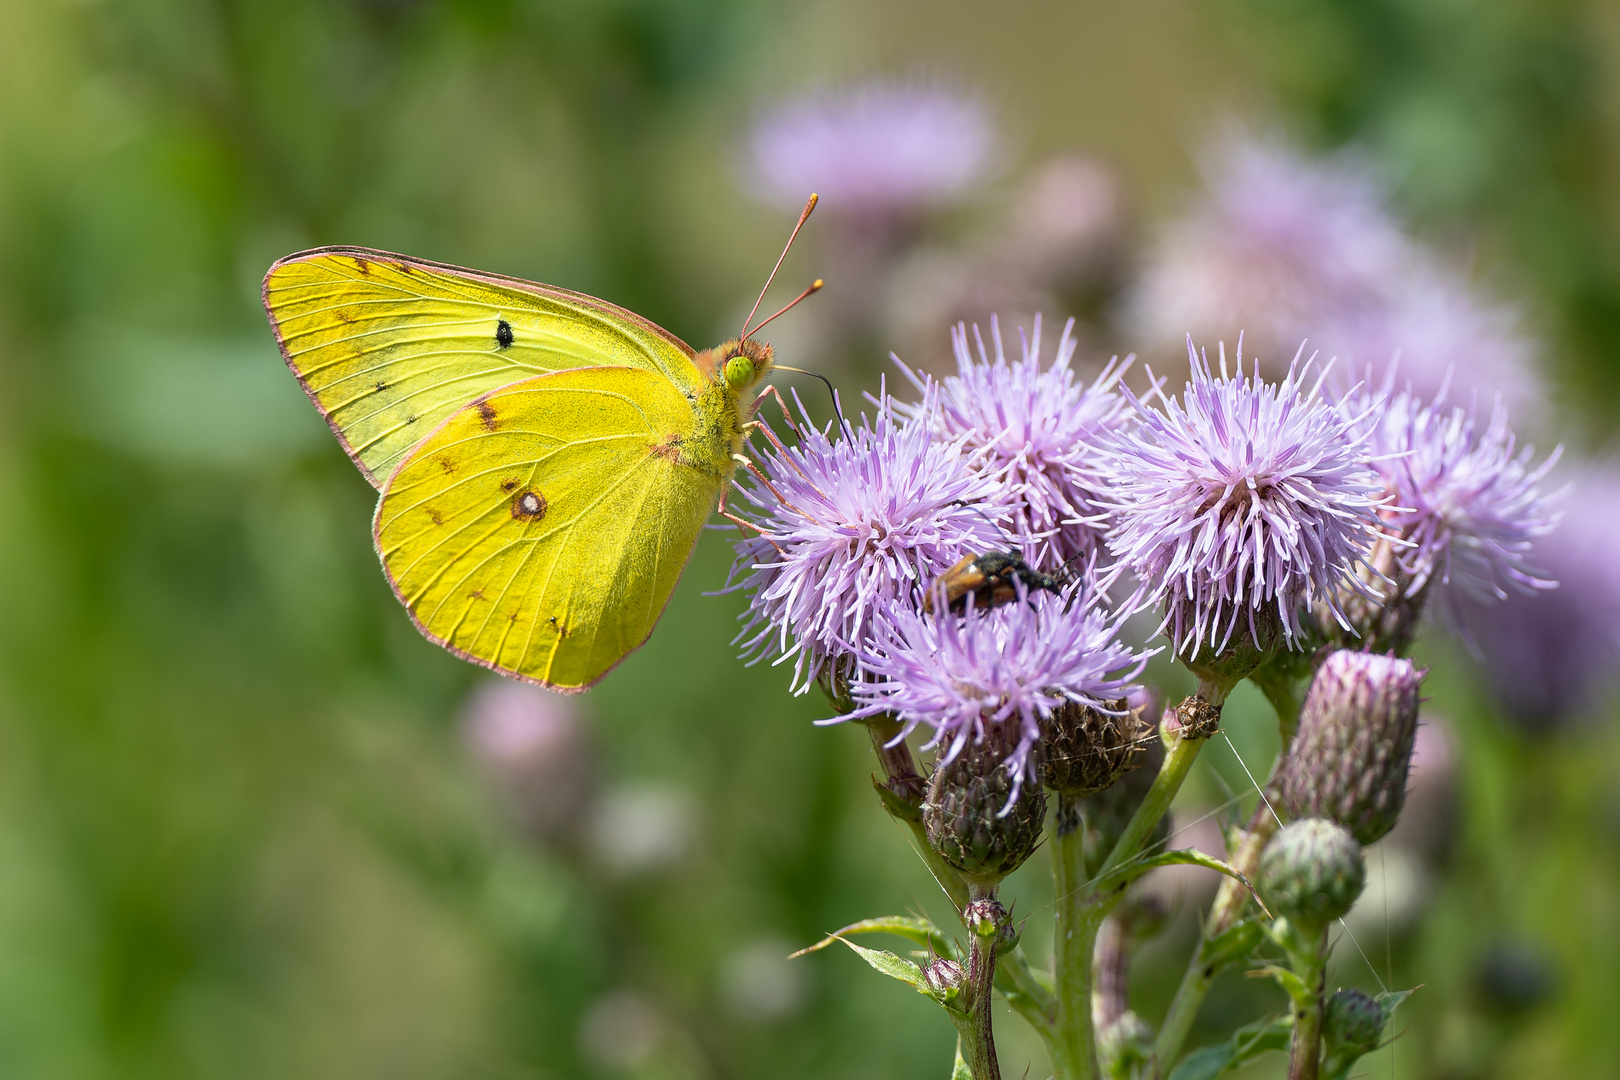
(1284, 246)
(1238, 504)
(1550, 654)
(1464, 500)
(1007, 667)
(850, 527)
(876, 149)
(1037, 432)
(1437, 330)
(1278, 244)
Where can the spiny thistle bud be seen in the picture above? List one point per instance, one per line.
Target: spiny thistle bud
(980, 818)
(1349, 760)
(1353, 1025)
(985, 917)
(1312, 872)
(1085, 749)
(945, 977)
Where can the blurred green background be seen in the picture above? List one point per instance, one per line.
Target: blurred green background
(242, 831)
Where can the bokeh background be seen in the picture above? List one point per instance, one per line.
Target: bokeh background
(252, 825)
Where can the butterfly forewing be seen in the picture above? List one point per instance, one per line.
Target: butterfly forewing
(389, 347)
(541, 530)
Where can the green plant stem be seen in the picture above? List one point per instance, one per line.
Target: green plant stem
(899, 768)
(1074, 1047)
(1025, 993)
(1178, 759)
(1231, 897)
(902, 792)
(1081, 910)
(1305, 1050)
(975, 1026)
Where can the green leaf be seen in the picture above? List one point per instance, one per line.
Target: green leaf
(1234, 944)
(960, 1070)
(1291, 983)
(921, 931)
(895, 805)
(1134, 869)
(895, 967)
(1392, 999)
(1246, 1044)
(1021, 985)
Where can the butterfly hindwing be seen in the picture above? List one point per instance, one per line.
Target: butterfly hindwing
(388, 347)
(541, 530)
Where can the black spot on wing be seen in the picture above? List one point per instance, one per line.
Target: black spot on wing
(503, 333)
(529, 506)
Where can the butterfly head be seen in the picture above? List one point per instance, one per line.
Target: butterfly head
(740, 365)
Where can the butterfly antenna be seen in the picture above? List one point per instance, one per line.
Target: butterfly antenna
(815, 287)
(843, 425)
(804, 215)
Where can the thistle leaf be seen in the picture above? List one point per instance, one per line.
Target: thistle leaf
(921, 931)
(1246, 1044)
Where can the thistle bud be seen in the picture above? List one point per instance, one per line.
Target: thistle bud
(945, 978)
(974, 821)
(1312, 871)
(985, 917)
(1085, 749)
(1353, 1025)
(1349, 759)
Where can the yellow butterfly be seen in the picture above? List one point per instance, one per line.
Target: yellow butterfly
(547, 460)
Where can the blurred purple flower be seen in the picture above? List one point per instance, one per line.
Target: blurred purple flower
(878, 149)
(1011, 664)
(538, 755)
(1436, 332)
(852, 526)
(1284, 247)
(1465, 501)
(1550, 655)
(1245, 495)
(1036, 433)
(1277, 243)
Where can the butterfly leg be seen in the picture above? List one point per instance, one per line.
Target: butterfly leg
(787, 414)
(762, 478)
(745, 523)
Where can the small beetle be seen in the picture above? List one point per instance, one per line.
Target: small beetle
(989, 580)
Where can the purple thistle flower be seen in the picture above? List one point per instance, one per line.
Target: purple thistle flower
(1012, 664)
(1284, 247)
(1467, 505)
(1278, 244)
(852, 527)
(1242, 497)
(877, 149)
(1036, 433)
(1440, 333)
(1551, 654)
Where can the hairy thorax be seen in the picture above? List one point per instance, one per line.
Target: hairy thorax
(724, 406)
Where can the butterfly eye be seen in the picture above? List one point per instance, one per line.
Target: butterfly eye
(739, 372)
